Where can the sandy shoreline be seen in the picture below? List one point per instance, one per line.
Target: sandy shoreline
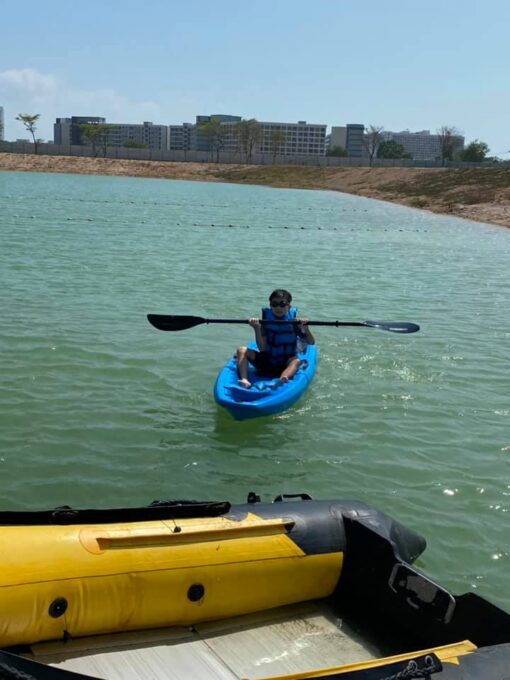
(480, 194)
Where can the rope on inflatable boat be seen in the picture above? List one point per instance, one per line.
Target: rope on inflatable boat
(415, 669)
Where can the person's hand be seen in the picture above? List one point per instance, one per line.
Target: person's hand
(303, 325)
(254, 322)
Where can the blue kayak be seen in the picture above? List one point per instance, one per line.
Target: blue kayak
(265, 396)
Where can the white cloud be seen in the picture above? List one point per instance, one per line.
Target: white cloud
(28, 81)
(29, 91)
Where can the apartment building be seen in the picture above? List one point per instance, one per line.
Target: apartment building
(200, 141)
(151, 136)
(68, 131)
(190, 137)
(292, 139)
(180, 137)
(299, 138)
(422, 146)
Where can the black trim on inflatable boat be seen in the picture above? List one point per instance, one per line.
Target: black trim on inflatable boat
(489, 663)
(319, 526)
(316, 527)
(406, 669)
(156, 510)
(377, 588)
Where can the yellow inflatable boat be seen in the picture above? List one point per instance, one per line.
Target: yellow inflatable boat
(69, 575)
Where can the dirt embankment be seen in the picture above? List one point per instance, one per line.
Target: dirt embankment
(481, 194)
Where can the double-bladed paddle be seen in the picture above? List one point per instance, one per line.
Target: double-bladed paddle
(167, 322)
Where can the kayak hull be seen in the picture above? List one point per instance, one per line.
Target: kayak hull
(266, 396)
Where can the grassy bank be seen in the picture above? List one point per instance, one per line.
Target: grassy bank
(481, 194)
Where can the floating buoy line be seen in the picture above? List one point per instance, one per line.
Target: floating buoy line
(215, 225)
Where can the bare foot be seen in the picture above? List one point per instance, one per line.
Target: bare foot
(283, 379)
(244, 383)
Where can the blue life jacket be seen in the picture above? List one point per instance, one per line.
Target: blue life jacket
(281, 338)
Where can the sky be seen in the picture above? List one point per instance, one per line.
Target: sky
(414, 65)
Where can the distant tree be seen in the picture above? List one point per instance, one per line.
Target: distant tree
(250, 134)
(371, 140)
(447, 134)
(389, 148)
(134, 144)
(475, 152)
(215, 133)
(96, 134)
(29, 121)
(276, 140)
(337, 151)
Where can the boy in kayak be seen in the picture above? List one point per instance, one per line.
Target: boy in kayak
(277, 343)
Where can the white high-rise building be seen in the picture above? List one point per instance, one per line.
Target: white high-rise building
(422, 146)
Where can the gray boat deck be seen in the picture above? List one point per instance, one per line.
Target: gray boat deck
(285, 640)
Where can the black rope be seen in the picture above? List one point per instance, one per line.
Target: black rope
(415, 670)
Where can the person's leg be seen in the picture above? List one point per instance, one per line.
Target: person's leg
(243, 356)
(290, 370)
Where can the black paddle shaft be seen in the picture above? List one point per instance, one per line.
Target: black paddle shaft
(168, 322)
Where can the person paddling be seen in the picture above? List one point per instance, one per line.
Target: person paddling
(277, 343)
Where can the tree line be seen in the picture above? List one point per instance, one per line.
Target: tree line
(249, 134)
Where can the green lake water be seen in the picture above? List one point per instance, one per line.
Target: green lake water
(97, 408)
